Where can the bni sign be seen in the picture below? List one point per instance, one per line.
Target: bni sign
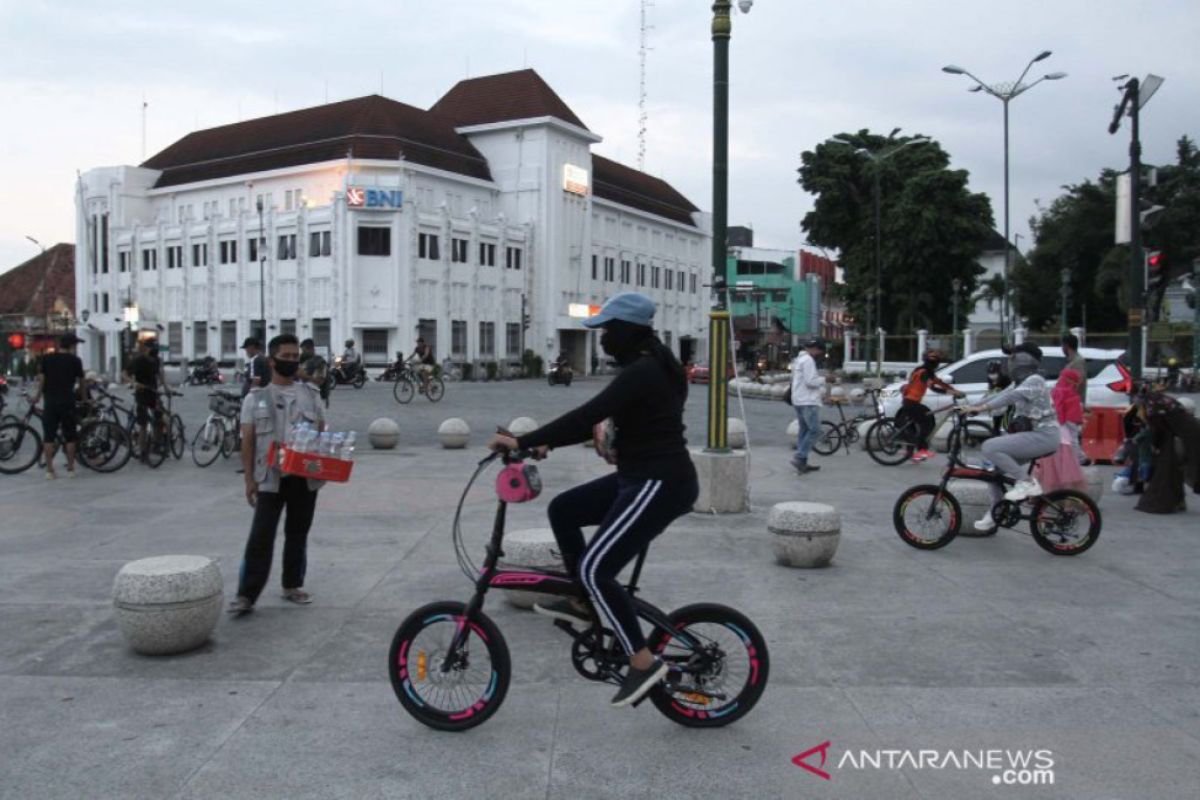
(575, 179)
(374, 199)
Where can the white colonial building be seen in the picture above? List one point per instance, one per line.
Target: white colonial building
(378, 221)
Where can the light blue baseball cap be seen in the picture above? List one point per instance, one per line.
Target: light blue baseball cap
(632, 307)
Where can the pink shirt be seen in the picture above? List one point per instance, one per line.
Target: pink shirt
(1066, 397)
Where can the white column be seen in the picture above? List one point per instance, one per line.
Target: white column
(922, 339)
(968, 342)
(1019, 335)
(848, 344)
(1079, 334)
(881, 356)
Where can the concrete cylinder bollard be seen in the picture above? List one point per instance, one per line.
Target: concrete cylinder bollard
(857, 395)
(533, 547)
(737, 433)
(1095, 483)
(384, 434)
(804, 534)
(838, 392)
(454, 433)
(168, 604)
(975, 500)
(522, 425)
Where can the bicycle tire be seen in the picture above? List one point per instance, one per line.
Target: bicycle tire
(884, 445)
(104, 446)
(178, 437)
(828, 440)
(1044, 527)
(410, 676)
(436, 390)
(948, 508)
(159, 446)
(690, 709)
(403, 390)
(208, 442)
(232, 442)
(15, 439)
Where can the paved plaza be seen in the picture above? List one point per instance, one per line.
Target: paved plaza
(986, 645)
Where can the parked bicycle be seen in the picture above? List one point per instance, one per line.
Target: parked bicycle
(164, 435)
(101, 445)
(220, 434)
(409, 383)
(844, 432)
(1064, 522)
(891, 443)
(450, 667)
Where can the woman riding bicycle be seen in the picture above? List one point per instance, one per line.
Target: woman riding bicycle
(922, 379)
(1033, 432)
(654, 484)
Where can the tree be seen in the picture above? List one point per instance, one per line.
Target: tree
(933, 228)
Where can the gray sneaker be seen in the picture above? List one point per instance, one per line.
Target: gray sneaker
(566, 609)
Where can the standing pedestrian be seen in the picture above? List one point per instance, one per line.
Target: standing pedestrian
(60, 381)
(1076, 362)
(257, 373)
(807, 389)
(314, 369)
(268, 412)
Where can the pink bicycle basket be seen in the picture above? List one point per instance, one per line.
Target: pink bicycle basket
(518, 483)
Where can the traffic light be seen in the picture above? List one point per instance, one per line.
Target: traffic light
(16, 341)
(1156, 268)
(525, 322)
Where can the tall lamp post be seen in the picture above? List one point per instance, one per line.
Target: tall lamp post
(45, 285)
(1005, 92)
(718, 329)
(262, 286)
(877, 157)
(956, 290)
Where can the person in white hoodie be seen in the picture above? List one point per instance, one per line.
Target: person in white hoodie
(808, 385)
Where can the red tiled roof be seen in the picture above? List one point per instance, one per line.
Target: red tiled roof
(500, 98)
(366, 127)
(21, 286)
(629, 187)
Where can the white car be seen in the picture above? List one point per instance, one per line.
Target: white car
(1107, 378)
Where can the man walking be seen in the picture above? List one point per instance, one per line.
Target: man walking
(807, 387)
(268, 412)
(1070, 346)
(314, 369)
(144, 371)
(257, 372)
(59, 375)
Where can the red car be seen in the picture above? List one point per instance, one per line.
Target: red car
(698, 373)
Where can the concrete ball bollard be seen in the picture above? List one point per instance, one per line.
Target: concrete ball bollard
(804, 534)
(975, 500)
(532, 547)
(737, 433)
(838, 392)
(383, 433)
(857, 395)
(168, 604)
(454, 433)
(522, 425)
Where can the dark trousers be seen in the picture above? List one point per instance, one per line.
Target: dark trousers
(922, 416)
(630, 513)
(300, 503)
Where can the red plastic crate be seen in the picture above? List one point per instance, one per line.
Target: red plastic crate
(309, 465)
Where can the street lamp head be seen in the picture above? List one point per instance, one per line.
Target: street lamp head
(954, 70)
(745, 5)
(1055, 76)
(975, 88)
(892, 135)
(1042, 56)
(258, 204)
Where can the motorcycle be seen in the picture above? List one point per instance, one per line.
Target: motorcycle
(205, 373)
(560, 373)
(344, 373)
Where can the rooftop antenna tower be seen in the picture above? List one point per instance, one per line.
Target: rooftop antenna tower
(643, 49)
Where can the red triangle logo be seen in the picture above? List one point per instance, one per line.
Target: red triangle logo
(821, 748)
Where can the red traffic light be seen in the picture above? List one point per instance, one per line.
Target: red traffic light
(16, 341)
(1156, 260)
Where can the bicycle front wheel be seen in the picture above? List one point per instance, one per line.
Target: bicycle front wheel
(927, 517)
(1065, 522)
(104, 446)
(829, 439)
(884, 444)
(403, 391)
(208, 442)
(178, 437)
(437, 388)
(20, 447)
(466, 693)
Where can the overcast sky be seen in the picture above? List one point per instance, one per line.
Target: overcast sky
(74, 74)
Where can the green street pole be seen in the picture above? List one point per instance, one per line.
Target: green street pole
(718, 328)
(1195, 318)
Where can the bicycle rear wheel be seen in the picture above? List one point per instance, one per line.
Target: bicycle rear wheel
(474, 686)
(1065, 522)
(927, 517)
(232, 442)
(403, 390)
(885, 445)
(829, 439)
(437, 388)
(104, 446)
(719, 666)
(20, 447)
(208, 442)
(178, 437)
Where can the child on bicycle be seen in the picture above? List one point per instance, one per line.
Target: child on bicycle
(654, 484)
(913, 411)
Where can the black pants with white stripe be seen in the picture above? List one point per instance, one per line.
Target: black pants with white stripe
(630, 513)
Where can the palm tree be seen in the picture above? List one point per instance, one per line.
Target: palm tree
(990, 291)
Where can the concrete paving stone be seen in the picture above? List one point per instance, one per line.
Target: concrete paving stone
(39, 580)
(103, 737)
(33, 633)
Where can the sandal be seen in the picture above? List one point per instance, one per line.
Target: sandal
(240, 606)
(297, 596)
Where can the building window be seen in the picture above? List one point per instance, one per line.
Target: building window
(667, 339)
(287, 247)
(175, 256)
(682, 278)
(512, 339)
(229, 341)
(595, 266)
(487, 338)
(427, 330)
(670, 280)
(287, 326)
(458, 338)
(655, 277)
(374, 241)
(319, 244)
(626, 271)
(252, 250)
(427, 247)
(692, 281)
(375, 345)
(199, 339)
(610, 265)
(512, 258)
(487, 254)
(228, 252)
(292, 199)
(104, 243)
(320, 332)
(458, 251)
(123, 260)
(174, 341)
(265, 201)
(149, 260)
(199, 255)
(641, 275)
(104, 303)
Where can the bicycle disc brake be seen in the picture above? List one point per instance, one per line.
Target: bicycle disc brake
(589, 655)
(1006, 514)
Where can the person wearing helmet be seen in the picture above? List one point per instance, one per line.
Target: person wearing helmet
(923, 378)
(351, 360)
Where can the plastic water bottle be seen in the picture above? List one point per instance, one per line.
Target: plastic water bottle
(322, 448)
(348, 447)
(335, 444)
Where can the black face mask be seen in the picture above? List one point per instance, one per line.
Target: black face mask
(285, 367)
